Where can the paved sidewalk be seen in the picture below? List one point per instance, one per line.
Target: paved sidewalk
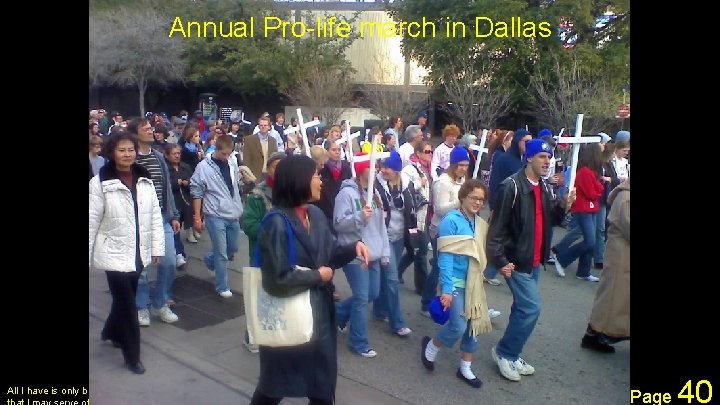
(210, 365)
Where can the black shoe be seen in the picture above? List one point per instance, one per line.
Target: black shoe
(427, 363)
(136, 368)
(599, 266)
(593, 343)
(475, 383)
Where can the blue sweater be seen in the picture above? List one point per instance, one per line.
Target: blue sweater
(453, 268)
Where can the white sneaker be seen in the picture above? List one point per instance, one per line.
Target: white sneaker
(507, 367)
(493, 313)
(165, 314)
(369, 353)
(196, 234)
(143, 317)
(552, 259)
(492, 281)
(589, 278)
(403, 331)
(179, 260)
(559, 269)
(425, 314)
(190, 236)
(226, 294)
(523, 367)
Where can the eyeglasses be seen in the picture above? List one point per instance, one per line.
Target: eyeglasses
(476, 199)
(147, 129)
(429, 152)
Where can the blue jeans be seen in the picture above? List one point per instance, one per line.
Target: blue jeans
(600, 236)
(457, 325)
(490, 271)
(387, 303)
(418, 257)
(524, 313)
(574, 233)
(179, 247)
(583, 250)
(431, 282)
(165, 275)
(225, 237)
(365, 285)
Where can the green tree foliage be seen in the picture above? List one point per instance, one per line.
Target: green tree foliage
(257, 65)
(515, 64)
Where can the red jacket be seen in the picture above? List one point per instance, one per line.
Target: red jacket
(588, 190)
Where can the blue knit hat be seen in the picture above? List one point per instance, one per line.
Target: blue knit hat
(394, 162)
(459, 154)
(437, 313)
(622, 136)
(535, 146)
(544, 132)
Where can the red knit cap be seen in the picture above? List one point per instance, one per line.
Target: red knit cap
(361, 166)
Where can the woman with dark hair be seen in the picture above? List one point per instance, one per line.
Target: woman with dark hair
(310, 369)
(180, 174)
(589, 190)
(126, 234)
(160, 135)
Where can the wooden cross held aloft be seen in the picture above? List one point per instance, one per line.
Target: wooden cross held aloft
(347, 137)
(303, 126)
(576, 141)
(372, 157)
(481, 149)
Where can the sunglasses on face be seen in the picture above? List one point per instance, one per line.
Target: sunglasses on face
(428, 152)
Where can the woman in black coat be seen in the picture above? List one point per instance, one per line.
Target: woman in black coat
(307, 370)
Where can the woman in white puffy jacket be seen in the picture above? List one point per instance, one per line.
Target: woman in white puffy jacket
(126, 234)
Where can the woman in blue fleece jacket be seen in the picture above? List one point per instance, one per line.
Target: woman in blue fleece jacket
(454, 269)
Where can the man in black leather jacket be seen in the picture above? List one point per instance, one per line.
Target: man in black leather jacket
(518, 242)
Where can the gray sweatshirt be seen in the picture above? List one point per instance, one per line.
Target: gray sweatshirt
(350, 224)
(207, 183)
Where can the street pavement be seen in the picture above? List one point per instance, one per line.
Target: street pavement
(211, 366)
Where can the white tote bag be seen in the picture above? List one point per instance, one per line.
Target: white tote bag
(274, 321)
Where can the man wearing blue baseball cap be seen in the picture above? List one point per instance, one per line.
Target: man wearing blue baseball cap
(518, 242)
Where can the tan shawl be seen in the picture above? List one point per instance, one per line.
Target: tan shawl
(476, 309)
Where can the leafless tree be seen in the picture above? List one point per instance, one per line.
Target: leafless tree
(326, 89)
(387, 101)
(131, 47)
(566, 91)
(475, 96)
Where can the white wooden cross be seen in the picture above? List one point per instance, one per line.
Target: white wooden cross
(372, 157)
(576, 141)
(347, 137)
(481, 150)
(302, 126)
(242, 119)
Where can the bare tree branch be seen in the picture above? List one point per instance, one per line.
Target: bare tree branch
(327, 89)
(131, 47)
(386, 102)
(566, 91)
(475, 96)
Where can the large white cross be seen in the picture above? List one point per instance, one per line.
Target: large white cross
(576, 141)
(347, 138)
(481, 150)
(372, 157)
(302, 127)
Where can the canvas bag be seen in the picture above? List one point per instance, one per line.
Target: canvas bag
(274, 321)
